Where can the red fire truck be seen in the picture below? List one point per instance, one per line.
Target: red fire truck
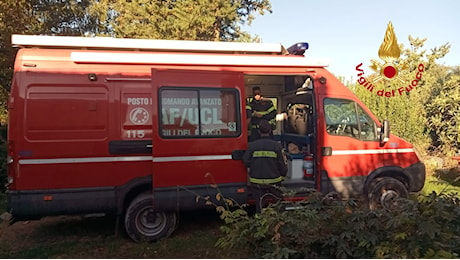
(139, 128)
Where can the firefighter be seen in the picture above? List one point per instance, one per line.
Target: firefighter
(267, 165)
(257, 108)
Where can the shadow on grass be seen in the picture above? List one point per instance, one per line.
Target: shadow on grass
(450, 176)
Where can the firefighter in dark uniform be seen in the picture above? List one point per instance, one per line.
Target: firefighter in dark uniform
(267, 165)
(258, 108)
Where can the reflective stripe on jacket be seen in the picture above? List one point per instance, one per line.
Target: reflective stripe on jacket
(266, 181)
(264, 107)
(266, 161)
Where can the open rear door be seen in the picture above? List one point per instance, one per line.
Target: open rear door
(197, 124)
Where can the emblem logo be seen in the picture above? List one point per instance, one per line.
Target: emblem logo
(392, 68)
(139, 116)
(389, 52)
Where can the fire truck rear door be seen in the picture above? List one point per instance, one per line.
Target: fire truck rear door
(197, 123)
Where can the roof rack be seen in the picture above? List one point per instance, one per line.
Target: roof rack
(110, 43)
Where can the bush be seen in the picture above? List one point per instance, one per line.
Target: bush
(428, 228)
(443, 119)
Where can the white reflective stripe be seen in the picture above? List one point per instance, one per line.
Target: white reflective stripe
(86, 160)
(372, 151)
(192, 158)
(126, 159)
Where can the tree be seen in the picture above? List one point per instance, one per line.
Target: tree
(210, 20)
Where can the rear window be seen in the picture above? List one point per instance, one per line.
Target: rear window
(199, 112)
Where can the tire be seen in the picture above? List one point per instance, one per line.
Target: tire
(385, 192)
(143, 223)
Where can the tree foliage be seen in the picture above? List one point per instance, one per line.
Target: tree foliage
(211, 20)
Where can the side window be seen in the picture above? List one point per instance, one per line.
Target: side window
(199, 112)
(346, 118)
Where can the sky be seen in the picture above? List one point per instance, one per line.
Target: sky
(347, 33)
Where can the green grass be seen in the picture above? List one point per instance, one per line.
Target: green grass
(442, 180)
(439, 186)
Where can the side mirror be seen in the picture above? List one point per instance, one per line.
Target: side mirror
(385, 132)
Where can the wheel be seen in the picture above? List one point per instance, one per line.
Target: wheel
(143, 223)
(385, 192)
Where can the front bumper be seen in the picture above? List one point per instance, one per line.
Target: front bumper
(417, 174)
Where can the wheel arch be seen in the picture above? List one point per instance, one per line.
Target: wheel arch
(129, 191)
(395, 172)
